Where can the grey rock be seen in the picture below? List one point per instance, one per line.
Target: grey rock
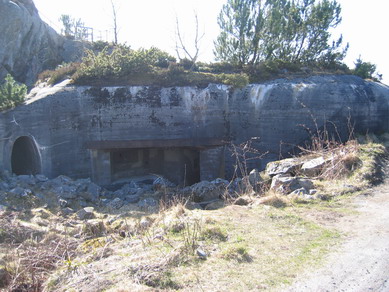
(41, 178)
(147, 202)
(299, 192)
(86, 213)
(67, 191)
(132, 199)
(4, 186)
(220, 181)
(3, 208)
(237, 187)
(28, 45)
(201, 254)
(254, 179)
(67, 211)
(161, 183)
(21, 191)
(288, 184)
(206, 191)
(92, 193)
(116, 203)
(145, 223)
(313, 167)
(63, 203)
(26, 179)
(285, 166)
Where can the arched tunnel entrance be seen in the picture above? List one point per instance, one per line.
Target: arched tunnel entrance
(25, 158)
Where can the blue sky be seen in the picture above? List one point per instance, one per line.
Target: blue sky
(149, 23)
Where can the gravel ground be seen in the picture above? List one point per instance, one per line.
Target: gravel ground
(362, 262)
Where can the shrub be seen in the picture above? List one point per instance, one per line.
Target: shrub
(122, 61)
(364, 70)
(62, 72)
(11, 93)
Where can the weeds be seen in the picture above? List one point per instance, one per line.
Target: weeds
(238, 252)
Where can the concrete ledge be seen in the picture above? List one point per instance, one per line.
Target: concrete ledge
(159, 143)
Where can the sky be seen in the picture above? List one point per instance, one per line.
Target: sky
(146, 23)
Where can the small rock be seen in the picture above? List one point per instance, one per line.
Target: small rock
(312, 192)
(148, 202)
(41, 178)
(201, 254)
(131, 199)
(86, 213)
(92, 193)
(287, 184)
(67, 211)
(67, 191)
(4, 186)
(220, 181)
(207, 191)
(313, 167)
(254, 178)
(116, 203)
(285, 166)
(63, 203)
(21, 191)
(93, 228)
(299, 192)
(27, 179)
(145, 223)
(161, 183)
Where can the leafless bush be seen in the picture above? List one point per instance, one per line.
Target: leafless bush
(243, 154)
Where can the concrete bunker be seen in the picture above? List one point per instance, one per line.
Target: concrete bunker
(177, 160)
(25, 157)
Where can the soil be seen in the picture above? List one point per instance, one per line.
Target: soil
(361, 263)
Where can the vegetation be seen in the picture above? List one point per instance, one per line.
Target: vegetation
(366, 70)
(11, 93)
(291, 31)
(259, 41)
(73, 28)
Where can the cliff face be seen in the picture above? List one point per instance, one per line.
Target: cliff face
(27, 44)
(111, 132)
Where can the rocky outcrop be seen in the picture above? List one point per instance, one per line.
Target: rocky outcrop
(27, 44)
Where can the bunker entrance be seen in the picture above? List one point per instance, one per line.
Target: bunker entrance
(25, 157)
(182, 161)
(180, 165)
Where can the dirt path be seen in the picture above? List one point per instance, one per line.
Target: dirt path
(362, 262)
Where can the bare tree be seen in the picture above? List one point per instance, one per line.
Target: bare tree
(182, 48)
(115, 24)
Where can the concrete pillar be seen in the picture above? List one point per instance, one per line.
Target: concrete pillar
(212, 163)
(101, 167)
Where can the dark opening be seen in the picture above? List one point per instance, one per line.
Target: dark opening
(25, 157)
(179, 165)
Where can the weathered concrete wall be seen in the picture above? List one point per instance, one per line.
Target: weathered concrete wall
(70, 125)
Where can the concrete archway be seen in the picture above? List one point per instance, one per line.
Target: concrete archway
(25, 157)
